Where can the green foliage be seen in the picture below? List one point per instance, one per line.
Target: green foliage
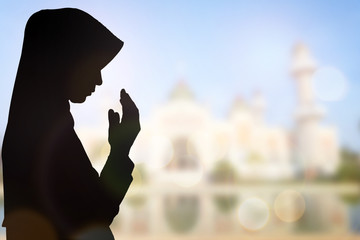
(225, 203)
(351, 199)
(136, 201)
(349, 169)
(224, 172)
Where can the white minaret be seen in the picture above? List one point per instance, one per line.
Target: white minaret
(307, 114)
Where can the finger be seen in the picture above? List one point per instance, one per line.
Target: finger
(130, 114)
(117, 117)
(130, 111)
(113, 117)
(125, 99)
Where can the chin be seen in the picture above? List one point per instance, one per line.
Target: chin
(78, 99)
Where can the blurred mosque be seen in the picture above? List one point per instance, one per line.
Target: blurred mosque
(199, 167)
(203, 170)
(183, 137)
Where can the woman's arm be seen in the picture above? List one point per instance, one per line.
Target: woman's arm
(116, 174)
(79, 194)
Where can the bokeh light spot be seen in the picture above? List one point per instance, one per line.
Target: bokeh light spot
(329, 84)
(289, 206)
(253, 214)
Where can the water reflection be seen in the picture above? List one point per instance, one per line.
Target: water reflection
(316, 209)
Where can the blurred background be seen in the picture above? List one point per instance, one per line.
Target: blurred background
(250, 124)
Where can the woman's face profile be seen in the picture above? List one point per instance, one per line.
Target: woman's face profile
(83, 81)
(68, 48)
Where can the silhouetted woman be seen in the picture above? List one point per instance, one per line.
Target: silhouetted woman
(51, 190)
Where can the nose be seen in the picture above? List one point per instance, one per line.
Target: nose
(98, 79)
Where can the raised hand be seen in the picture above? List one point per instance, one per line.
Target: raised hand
(123, 134)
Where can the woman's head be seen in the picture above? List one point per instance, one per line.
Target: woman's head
(63, 53)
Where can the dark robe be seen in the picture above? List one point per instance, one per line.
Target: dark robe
(51, 190)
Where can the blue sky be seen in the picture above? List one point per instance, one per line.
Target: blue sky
(222, 49)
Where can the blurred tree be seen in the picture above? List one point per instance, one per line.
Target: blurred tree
(224, 172)
(225, 203)
(349, 171)
(349, 168)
